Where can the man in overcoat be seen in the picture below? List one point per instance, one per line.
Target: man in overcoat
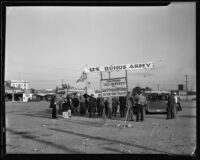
(170, 106)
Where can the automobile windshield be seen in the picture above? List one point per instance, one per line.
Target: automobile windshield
(156, 97)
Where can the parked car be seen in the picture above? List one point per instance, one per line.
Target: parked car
(156, 101)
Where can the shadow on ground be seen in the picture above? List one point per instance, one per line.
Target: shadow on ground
(187, 116)
(44, 114)
(110, 140)
(155, 117)
(27, 135)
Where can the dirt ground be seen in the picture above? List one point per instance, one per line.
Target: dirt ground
(30, 129)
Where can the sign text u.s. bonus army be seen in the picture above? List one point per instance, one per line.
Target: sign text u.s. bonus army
(120, 67)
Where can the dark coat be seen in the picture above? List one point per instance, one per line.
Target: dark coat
(171, 101)
(52, 102)
(65, 107)
(101, 101)
(53, 106)
(115, 101)
(75, 102)
(122, 101)
(92, 103)
(69, 105)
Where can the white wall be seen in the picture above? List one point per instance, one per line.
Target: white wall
(184, 97)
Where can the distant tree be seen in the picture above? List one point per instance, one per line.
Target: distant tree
(64, 86)
(191, 93)
(56, 90)
(67, 86)
(136, 90)
(32, 90)
(147, 89)
(7, 83)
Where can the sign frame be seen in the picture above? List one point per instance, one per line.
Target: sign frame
(102, 79)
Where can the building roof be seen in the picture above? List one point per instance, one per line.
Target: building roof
(18, 81)
(44, 94)
(158, 92)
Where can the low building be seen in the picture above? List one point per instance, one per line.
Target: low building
(13, 94)
(27, 97)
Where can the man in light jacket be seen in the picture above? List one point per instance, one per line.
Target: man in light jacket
(141, 103)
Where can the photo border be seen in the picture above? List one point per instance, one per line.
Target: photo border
(8, 156)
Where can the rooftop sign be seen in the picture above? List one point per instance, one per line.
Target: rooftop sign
(120, 67)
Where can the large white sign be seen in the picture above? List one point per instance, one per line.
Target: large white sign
(114, 87)
(120, 67)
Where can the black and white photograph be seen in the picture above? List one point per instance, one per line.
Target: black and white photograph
(101, 79)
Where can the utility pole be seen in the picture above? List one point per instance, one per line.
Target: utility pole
(186, 85)
(127, 80)
(86, 81)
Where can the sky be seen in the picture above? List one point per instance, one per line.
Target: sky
(49, 46)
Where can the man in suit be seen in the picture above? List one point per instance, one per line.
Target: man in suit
(75, 103)
(170, 106)
(91, 104)
(53, 106)
(122, 103)
(129, 105)
(114, 106)
(109, 107)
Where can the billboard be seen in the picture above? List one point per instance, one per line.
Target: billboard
(114, 87)
(119, 67)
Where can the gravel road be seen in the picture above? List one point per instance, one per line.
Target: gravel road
(30, 129)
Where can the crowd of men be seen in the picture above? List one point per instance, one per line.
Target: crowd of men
(88, 105)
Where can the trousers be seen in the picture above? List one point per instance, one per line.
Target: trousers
(140, 112)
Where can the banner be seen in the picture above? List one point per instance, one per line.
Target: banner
(114, 87)
(121, 67)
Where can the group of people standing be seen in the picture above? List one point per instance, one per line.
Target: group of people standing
(66, 106)
(135, 104)
(88, 105)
